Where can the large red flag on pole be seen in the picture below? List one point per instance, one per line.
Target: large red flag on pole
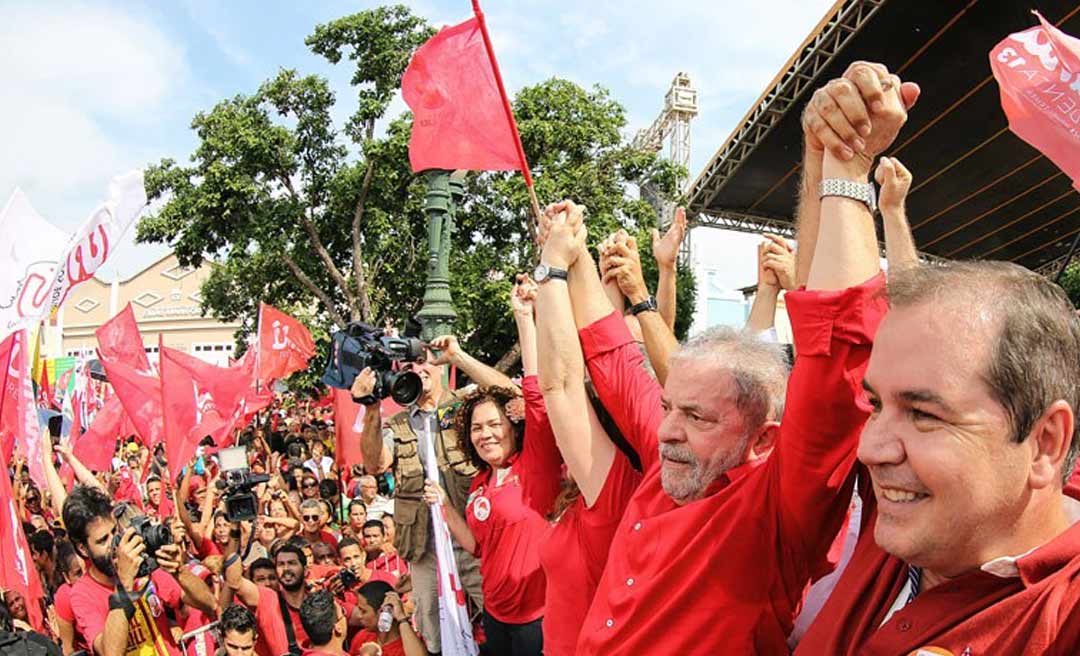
(17, 571)
(221, 393)
(18, 416)
(285, 345)
(1038, 72)
(96, 446)
(462, 118)
(119, 339)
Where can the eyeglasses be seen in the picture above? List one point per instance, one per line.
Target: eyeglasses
(311, 518)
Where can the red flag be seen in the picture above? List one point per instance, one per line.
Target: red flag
(17, 571)
(178, 395)
(285, 345)
(461, 116)
(347, 450)
(96, 446)
(139, 392)
(45, 394)
(119, 340)
(18, 416)
(220, 393)
(1038, 72)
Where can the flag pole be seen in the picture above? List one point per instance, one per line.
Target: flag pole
(258, 342)
(506, 108)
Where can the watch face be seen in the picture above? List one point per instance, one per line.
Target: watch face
(540, 273)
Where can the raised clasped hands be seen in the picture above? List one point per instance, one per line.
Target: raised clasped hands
(855, 118)
(620, 261)
(523, 296)
(563, 233)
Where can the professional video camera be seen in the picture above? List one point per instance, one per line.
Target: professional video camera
(360, 346)
(154, 536)
(241, 504)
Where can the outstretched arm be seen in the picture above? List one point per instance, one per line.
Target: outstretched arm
(480, 373)
(666, 252)
(371, 442)
(776, 271)
(587, 450)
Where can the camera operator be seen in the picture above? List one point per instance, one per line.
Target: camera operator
(238, 632)
(124, 612)
(410, 429)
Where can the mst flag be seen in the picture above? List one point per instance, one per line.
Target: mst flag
(17, 570)
(1038, 72)
(285, 345)
(454, 626)
(95, 447)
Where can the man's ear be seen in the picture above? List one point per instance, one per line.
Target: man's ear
(1050, 440)
(762, 442)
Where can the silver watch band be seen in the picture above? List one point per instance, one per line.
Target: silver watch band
(863, 192)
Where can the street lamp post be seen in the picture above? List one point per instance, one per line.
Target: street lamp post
(437, 314)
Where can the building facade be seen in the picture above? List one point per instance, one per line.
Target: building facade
(165, 298)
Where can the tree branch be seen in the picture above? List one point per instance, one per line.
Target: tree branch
(509, 359)
(320, 250)
(339, 321)
(358, 262)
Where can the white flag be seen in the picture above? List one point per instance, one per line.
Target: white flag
(40, 264)
(454, 626)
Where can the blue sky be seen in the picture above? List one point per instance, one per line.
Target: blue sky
(95, 89)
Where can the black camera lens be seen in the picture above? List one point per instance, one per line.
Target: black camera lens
(405, 387)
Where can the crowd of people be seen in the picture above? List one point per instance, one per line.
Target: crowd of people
(902, 485)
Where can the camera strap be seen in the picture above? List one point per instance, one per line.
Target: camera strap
(290, 633)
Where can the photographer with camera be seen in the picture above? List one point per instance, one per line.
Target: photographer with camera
(133, 574)
(431, 414)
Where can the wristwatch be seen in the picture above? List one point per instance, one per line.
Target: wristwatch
(542, 273)
(648, 305)
(863, 192)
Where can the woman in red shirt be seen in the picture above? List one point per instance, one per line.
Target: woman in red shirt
(499, 528)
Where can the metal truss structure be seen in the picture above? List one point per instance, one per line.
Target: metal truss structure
(672, 126)
(801, 74)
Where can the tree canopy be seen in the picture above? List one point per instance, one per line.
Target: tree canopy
(328, 222)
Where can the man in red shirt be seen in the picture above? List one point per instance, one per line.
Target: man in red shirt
(970, 545)
(122, 613)
(325, 623)
(383, 566)
(732, 502)
(277, 612)
(238, 632)
(158, 504)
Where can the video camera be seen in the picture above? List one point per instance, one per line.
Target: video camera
(241, 504)
(361, 346)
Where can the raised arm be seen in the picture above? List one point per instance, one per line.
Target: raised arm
(371, 441)
(57, 491)
(625, 269)
(666, 252)
(451, 353)
(82, 473)
(776, 271)
(895, 181)
(540, 456)
(588, 452)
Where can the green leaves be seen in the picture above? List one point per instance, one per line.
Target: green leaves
(272, 194)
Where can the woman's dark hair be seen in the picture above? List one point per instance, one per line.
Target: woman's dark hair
(84, 505)
(65, 551)
(500, 396)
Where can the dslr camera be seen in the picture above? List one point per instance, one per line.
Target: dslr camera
(154, 536)
(241, 504)
(360, 346)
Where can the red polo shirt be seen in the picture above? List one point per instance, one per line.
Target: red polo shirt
(1036, 611)
(725, 574)
(507, 536)
(148, 631)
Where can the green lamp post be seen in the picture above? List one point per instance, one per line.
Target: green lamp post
(444, 190)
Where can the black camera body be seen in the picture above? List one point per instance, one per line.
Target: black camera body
(348, 579)
(362, 346)
(241, 504)
(154, 536)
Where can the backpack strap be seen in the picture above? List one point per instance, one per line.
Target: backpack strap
(290, 633)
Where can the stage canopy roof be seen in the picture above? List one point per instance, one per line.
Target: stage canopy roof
(979, 191)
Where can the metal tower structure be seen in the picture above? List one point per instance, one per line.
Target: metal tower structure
(671, 126)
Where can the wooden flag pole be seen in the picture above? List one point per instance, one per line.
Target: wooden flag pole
(509, 115)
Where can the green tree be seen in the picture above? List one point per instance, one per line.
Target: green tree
(329, 224)
(1071, 283)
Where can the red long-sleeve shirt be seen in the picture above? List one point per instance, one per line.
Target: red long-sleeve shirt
(725, 574)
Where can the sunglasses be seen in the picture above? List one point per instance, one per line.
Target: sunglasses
(311, 518)
(310, 484)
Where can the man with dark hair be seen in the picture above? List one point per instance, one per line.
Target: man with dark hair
(123, 612)
(353, 558)
(277, 611)
(399, 640)
(42, 546)
(326, 624)
(262, 571)
(385, 567)
(157, 503)
(238, 633)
